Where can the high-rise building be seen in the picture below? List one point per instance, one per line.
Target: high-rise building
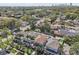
(70, 4)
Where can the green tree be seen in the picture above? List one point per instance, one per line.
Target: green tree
(74, 48)
(71, 40)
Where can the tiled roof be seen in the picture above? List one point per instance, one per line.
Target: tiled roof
(41, 39)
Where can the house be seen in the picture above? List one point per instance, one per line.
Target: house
(25, 26)
(76, 22)
(3, 52)
(66, 49)
(41, 39)
(63, 17)
(52, 45)
(39, 23)
(65, 32)
(3, 34)
(18, 14)
(56, 26)
(58, 20)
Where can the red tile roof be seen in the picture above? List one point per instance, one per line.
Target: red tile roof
(41, 39)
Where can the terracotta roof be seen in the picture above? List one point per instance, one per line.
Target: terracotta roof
(41, 39)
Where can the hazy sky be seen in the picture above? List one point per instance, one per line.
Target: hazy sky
(32, 4)
(25, 4)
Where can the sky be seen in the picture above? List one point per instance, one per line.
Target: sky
(34, 4)
(25, 4)
(39, 1)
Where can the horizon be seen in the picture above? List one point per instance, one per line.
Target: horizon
(37, 4)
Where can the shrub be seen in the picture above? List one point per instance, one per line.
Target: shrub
(71, 40)
(74, 48)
